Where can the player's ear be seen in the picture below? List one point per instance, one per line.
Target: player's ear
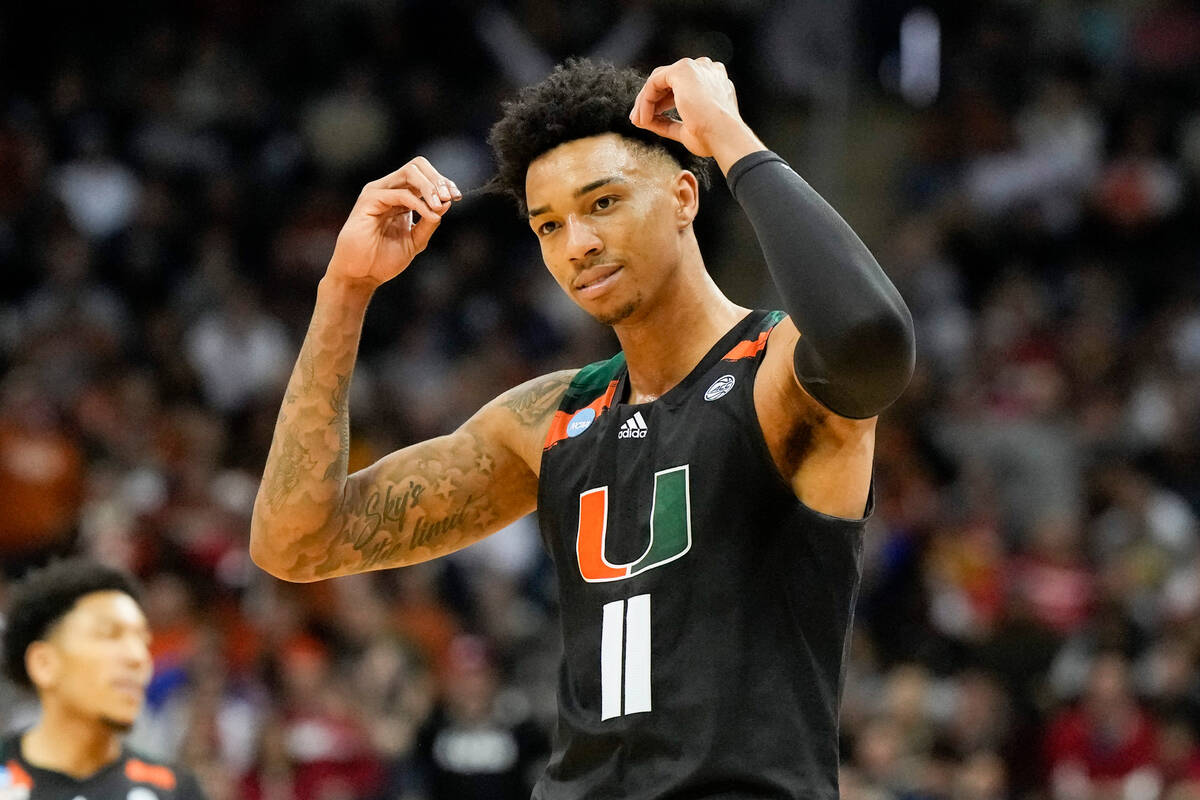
(687, 198)
(42, 662)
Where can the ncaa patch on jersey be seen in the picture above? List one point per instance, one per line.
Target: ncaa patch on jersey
(582, 420)
(720, 387)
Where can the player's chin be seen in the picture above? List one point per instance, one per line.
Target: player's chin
(122, 713)
(119, 723)
(617, 313)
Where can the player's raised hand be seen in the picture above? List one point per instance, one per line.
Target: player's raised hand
(381, 236)
(701, 93)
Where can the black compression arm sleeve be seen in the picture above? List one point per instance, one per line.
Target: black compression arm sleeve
(856, 350)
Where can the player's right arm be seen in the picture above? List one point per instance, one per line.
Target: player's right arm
(311, 520)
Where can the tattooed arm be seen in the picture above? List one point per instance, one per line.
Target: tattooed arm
(415, 504)
(311, 520)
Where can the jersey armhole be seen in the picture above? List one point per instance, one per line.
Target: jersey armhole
(848, 524)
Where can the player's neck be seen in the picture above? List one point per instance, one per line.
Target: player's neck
(66, 743)
(665, 342)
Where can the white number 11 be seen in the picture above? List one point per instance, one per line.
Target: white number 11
(626, 633)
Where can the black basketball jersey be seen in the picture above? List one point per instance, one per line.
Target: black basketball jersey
(128, 778)
(705, 611)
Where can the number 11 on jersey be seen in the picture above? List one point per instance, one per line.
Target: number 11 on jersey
(625, 657)
(625, 636)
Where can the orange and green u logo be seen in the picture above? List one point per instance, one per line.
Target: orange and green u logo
(670, 528)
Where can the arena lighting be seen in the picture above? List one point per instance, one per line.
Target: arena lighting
(920, 57)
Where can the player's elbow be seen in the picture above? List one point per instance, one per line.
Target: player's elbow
(893, 341)
(870, 367)
(266, 557)
(265, 560)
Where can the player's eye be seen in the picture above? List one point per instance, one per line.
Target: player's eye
(545, 228)
(604, 203)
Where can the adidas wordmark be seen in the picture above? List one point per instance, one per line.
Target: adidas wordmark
(633, 428)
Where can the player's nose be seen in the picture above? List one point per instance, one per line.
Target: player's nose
(582, 240)
(136, 652)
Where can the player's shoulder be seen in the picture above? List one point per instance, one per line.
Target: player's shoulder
(518, 418)
(592, 381)
(160, 778)
(536, 398)
(522, 416)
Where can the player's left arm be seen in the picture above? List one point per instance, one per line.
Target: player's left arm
(818, 393)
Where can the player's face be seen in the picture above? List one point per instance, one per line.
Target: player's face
(608, 216)
(99, 660)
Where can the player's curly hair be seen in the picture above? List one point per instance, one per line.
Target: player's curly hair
(580, 98)
(44, 596)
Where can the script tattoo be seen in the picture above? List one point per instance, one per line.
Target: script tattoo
(432, 502)
(538, 401)
(418, 503)
(374, 522)
(427, 531)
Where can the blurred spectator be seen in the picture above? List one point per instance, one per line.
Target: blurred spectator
(100, 193)
(238, 351)
(320, 747)
(982, 777)
(347, 129)
(1059, 137)
(478, 743)
(41, 473)
(1108, 743)
(1054, 581)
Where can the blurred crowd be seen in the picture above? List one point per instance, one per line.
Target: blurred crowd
(174, 179)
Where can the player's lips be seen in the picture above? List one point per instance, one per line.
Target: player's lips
(130, 686)
(596, 280)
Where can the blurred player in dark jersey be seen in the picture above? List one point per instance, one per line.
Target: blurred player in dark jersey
(76, 635)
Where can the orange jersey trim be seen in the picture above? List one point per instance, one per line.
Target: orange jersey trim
(747, 348)
(19, 776)
(558, 426)
(139, 771)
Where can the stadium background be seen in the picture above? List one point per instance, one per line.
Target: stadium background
(172, 183)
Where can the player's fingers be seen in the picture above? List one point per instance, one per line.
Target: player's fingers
(446, 189)
(664, 126)
(426, 186)
(657, 86)
(378, 202)
(423, 230)
(397, 225)
(411, 175)
(640, 111)
(650, 107)
(392, 180)
(715, 65)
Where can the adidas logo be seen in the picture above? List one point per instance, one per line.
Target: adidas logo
(633, 428)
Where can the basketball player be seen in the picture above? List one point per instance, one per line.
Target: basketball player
(702, 493)
(76, 635)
